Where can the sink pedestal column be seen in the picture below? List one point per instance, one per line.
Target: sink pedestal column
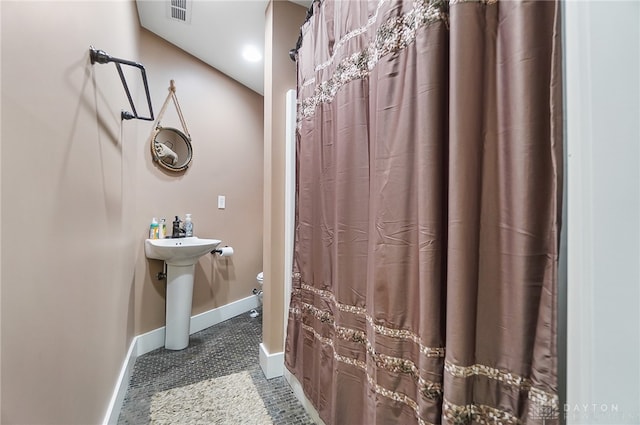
(178, 312)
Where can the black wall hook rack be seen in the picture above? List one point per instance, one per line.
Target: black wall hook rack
(99, 56)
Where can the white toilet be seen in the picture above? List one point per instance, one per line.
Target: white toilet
(257, 292)
(260, 279)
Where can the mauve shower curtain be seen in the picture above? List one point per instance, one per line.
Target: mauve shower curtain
(428, 204)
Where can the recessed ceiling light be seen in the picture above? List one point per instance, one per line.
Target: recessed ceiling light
(251, 53)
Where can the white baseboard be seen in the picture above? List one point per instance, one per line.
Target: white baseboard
(272, 364)
(149, 341)
(115, 405)
(296, 387)
(217, 315)
(154, 339)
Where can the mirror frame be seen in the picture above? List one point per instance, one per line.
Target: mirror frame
(157, 159)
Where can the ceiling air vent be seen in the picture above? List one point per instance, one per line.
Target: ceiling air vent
(179, 10)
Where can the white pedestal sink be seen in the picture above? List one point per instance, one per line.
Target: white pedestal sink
(181, 255)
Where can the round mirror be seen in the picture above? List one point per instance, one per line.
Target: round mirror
(171, 149)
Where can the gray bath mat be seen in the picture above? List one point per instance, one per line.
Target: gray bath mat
(227, 400)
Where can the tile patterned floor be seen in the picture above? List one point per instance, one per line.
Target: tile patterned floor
(226, 348)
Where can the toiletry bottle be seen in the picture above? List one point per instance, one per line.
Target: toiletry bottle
(153, 229)
(163, 229)
(188, 226)
(176, 228)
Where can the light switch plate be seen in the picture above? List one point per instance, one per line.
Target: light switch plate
(221, 202)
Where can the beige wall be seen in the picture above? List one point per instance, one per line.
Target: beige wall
(0, 225)
(79, 190)
(283, 21)
(67, 248)
(224, 119)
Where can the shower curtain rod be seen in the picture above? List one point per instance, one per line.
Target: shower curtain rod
(293, 53)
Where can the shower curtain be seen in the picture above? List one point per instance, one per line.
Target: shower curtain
(429, 176)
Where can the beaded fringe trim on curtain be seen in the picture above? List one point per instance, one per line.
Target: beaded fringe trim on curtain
(541, 400)
(393, 35)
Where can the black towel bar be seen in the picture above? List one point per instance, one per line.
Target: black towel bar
(100, 56)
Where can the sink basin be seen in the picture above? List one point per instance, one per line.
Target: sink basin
(179, 252)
